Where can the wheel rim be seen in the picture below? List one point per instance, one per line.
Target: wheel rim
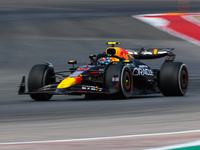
(127, 79)
(184, 79)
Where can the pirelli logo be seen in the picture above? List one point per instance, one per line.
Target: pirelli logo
(115, 78)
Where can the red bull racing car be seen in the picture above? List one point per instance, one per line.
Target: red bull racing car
(116, 72)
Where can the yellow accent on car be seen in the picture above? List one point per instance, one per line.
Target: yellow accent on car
(111, 43)
(127, 61)
(80, 75)
(155, 51)
(113, 50)
(72, 62)
(67, 83)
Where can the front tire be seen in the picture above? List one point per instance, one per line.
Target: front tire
(39, 76)
(173, 79)
(125, 86)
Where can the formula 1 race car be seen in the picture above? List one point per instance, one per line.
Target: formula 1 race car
(117, 72)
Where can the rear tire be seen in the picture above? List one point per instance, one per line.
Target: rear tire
(125, 80)
(173, 79)
(39, 77)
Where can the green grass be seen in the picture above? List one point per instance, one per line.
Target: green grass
(188, 148)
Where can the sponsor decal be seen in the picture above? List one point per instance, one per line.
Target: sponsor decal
(150, 80)
(101, 70)
(92, 88)
(76, 74)
(142, 72)
(143, 66)
(170, 58)
(114, 79)
(83, 69)
(80, 69)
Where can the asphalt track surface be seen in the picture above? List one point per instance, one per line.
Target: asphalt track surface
(57, 32)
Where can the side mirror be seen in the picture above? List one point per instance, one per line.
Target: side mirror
(72, 62)
(92, 59)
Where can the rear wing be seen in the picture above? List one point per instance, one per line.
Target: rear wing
(152, 53)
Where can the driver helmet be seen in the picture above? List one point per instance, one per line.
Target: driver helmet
(104, 61)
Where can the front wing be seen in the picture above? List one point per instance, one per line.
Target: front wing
(77, 89)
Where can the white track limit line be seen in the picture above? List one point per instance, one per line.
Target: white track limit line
(98, 138)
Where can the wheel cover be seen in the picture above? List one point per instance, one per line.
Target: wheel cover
(184, 79)
(127, 81)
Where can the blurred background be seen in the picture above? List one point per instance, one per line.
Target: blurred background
(56, 31)
(60, 30)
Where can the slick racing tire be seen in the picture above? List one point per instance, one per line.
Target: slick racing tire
(125, 83)
(39, 76)
(173, 79)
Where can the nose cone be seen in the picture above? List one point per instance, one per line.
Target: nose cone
(68, 82)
